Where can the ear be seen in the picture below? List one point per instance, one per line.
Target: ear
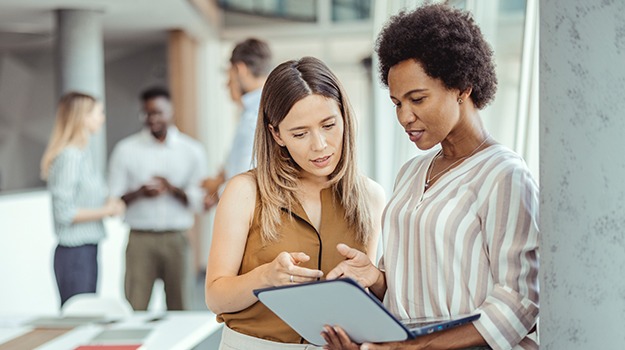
(276, 136)
(241, 69)
(464, 95)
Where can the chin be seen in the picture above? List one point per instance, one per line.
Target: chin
(424, 147)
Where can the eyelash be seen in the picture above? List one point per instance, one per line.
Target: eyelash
(413, 100)
(327, 127)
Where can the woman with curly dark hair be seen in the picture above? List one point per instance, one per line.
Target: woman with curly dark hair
(461, 229)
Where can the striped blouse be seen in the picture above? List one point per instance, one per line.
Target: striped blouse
(73, 184)
(468, 244)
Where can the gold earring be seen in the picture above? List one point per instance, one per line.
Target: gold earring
(460, 101)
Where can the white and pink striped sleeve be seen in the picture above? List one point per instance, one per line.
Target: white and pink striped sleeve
(510, 225)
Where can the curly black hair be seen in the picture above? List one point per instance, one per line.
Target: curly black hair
(447, 43)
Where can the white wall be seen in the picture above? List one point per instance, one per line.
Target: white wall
(582, 197)
(27, 243)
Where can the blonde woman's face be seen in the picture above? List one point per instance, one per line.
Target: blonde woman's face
(312, 132)
(95, 118)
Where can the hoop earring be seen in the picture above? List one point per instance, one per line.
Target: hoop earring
(460, 101)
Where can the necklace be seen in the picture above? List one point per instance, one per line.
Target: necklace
(429, 173)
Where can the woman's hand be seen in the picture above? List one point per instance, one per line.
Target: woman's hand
(389, 346)
(337, 339)
(356, 265)
(114, 207)
(284, 269)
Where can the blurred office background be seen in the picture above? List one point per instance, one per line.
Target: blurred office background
(185, 44)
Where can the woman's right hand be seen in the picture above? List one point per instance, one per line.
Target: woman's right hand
(114, 207)
(284, 269)
(356, 265)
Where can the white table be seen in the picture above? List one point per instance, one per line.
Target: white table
(178, 330)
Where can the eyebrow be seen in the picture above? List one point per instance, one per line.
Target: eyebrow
(410, 92)
(304, 127)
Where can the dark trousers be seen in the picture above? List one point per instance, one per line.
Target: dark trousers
(76, 270)
(152, 255)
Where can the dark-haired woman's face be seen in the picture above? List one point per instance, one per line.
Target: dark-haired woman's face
(425, 108)
(312, 132)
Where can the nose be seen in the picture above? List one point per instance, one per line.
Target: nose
(319, 142)
(405, 116)
(153, 116)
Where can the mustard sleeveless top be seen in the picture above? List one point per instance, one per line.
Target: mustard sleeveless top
(297, 234)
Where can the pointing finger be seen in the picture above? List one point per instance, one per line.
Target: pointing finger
(347, 251)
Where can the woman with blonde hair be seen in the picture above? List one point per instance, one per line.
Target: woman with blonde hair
(78, 192)
(286, 221)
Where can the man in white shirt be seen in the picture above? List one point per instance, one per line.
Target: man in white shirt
(250, 63)
(157, 172)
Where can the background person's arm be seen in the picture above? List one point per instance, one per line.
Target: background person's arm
(63, 181)
(376, 200)
(112, 207)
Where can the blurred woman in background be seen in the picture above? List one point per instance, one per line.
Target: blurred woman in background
(79, 194)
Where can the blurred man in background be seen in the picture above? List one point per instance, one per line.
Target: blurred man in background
(250, 63)
(158, 172)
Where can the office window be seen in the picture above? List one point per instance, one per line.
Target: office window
(351, 10)
(296, 10)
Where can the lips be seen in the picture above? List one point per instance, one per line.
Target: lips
(415, 135)
(321, 161)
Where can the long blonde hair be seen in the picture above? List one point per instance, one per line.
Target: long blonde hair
(69, 127)
(277, 173)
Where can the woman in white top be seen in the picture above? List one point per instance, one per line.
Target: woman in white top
(78, 192)
(460, 232)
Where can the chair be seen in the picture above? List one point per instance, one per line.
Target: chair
(91, 304)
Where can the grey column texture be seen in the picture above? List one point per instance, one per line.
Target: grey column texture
(582, 174)
(80, 63)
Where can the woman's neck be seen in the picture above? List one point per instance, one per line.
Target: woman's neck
(468, 135)
(312, 186)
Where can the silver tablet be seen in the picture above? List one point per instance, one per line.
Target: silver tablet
(308, 307)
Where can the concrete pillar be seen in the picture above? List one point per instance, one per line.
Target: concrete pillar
(582, 174)
(80, 63)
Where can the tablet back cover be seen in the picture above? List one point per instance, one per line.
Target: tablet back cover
(308, 307)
